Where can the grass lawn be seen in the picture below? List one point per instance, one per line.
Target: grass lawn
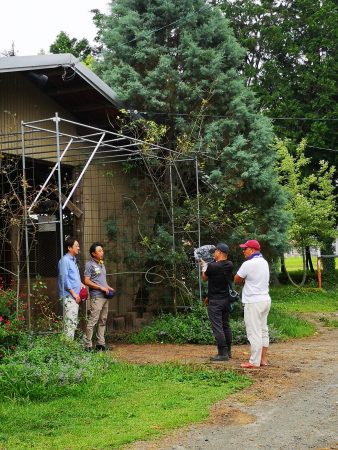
(129, 403)
(289, 304)
(135, 402)
(304, 300)
(293, 263)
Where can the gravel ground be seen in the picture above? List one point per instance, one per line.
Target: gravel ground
(305, 418)
(293, 403)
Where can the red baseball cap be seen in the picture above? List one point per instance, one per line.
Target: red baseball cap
(251, 244)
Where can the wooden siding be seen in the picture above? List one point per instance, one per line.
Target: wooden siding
(21, 100)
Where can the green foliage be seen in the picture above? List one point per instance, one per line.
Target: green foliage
(291, 64)
(46, 320)
(89, 62)
(48, 367)
(132, 259)
(311, 280)
(159, 248)
(80, 48)
(297, 277)
(285, 321)
(127, 167)
(311, 198)
(11, 320)
(190, 328)
(111, 228)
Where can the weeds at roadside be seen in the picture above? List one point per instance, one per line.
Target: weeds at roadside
(327, 322)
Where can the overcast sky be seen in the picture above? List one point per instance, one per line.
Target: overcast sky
(34, 24)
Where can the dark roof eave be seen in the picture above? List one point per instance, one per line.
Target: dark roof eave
(40, 62)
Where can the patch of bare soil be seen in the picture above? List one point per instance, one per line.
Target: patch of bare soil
(292, 365)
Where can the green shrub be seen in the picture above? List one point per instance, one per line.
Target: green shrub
(48, 367)
(190, 328)
(45, 318)
(11, 320)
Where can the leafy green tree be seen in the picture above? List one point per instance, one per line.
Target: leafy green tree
(291, 63)
(179, 62)
(311, 199)
(80, 48)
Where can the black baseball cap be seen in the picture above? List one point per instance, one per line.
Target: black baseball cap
(222, 248)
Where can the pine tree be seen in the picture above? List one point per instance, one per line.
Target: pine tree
(177, 62)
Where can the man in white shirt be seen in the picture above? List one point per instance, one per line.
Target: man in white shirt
(254, 274)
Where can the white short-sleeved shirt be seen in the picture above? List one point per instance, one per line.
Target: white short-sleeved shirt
(256, 273)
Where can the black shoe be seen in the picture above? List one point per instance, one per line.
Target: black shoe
(219, 358)
(100, 348)
(222, 354)
(88, 349)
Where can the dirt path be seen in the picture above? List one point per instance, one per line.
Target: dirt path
(293, 403)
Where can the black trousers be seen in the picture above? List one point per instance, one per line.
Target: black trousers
(219, 316)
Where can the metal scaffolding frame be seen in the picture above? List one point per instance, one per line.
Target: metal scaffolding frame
(101, 146)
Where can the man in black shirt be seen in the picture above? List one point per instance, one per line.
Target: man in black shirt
(218, 275)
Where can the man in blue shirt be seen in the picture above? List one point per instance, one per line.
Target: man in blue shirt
(69, 282)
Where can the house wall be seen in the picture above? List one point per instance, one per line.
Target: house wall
(21, 100)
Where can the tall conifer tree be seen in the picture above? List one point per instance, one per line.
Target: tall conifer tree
(178, 61)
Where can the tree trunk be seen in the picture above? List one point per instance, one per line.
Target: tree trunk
(329, 264)
(308, 260)
(282, 265)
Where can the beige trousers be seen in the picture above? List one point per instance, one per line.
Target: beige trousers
(255, 318)
(98, 313)
(71, 312)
